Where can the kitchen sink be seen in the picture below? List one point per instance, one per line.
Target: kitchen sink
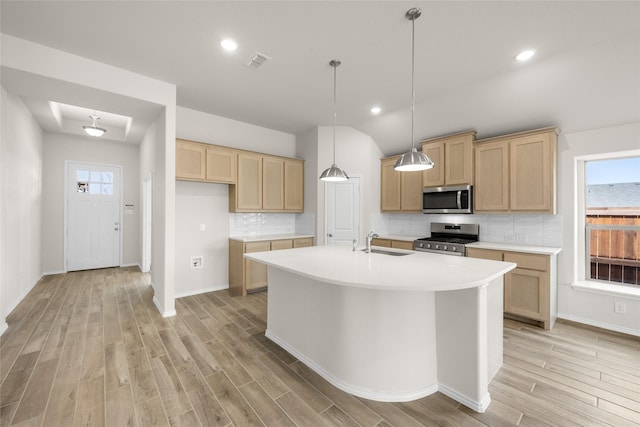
(383, 252)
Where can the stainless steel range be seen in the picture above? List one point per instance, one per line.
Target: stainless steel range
(449, 239)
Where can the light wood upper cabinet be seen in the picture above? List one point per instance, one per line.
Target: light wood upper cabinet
(221, 164)
(294, 185)
(190, 160)
(399, 191)
(517, 173)
(272, 184)
(434, 177)
(389, 186)
(246, 195)
(453, 159)
(491, 191)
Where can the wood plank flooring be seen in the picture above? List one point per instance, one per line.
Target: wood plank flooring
(90, 349)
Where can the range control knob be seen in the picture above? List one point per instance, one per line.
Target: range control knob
(454, 248)
(421, 245)
(429, 245)
(437, 246)
(444, 247)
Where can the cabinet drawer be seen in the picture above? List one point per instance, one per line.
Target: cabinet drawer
(303, 243)
(385, 243)
(257, 247)
(401, 244)
(528, 261)
(484, 254)
(281, 244)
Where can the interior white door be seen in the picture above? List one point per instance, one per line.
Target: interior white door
(342, 205)
(93, 216)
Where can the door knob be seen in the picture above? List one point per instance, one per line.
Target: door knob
(329, 234)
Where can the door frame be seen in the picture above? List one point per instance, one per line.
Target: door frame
(361, 215)
(120, 168)
(147, 221)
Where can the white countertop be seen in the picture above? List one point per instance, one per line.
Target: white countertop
(264, 237)
(420, 271)
(545, 250)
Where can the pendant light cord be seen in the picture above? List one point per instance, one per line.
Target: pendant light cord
(413, 91)
(335, 66)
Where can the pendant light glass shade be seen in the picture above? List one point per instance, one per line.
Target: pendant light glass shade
(93, 129)
(414, 160)
(334, 173)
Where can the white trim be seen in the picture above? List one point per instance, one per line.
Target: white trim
(201, 291)
(131, 264)
(623, 291)
(476, 406)
(603, 325)
(367, 394)
(163, 313)
(51, 273)
(3, 328)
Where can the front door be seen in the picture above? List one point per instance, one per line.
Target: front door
(342, 203)
(93, 220)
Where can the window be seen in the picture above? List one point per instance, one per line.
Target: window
(94, 182)
(612, 220)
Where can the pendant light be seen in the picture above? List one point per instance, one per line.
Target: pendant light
(93, 129)
(334, 173)
(414, 160)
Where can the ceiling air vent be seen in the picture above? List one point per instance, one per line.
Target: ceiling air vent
(257, 59)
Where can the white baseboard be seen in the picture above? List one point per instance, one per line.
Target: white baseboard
(476, 406)
(163, 313)
(200, 291)
(598, 324)
(3, 328)
(51, 273)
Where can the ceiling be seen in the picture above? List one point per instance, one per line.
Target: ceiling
(585, 75)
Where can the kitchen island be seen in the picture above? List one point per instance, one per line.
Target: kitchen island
(389, 328)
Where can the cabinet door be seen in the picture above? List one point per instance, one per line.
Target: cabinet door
(458, 161)
(411, 191)
(272, 184)
(294, 185)
(303, 243)
(221, 165)
(248, 191)
(532, 173)
(389, 186)
(491, 189)
(526, 293)
(190, 160)
(276, 245)
(255, 273)
(434, 177)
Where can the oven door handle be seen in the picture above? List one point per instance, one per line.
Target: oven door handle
(459, 199)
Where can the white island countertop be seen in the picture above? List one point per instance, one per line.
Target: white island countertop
(417, 271)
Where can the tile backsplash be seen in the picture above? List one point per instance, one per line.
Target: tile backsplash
(255, 224)
(536, 230)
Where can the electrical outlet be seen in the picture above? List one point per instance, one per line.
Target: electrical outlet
(203, 227)
(521, 238)
(195, 262)
(508, 237)
(619, 307)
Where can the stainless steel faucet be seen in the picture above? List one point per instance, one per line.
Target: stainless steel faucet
(370, 236)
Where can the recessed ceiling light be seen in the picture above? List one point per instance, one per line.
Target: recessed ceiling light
(525, 55)
(375, 110)
(229, 44)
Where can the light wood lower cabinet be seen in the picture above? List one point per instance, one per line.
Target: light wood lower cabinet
(246, 276)
(529, 289)
(391, 243)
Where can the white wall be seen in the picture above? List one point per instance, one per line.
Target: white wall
(208, 204)
(20, 203)
(595, 308)
(59, 148)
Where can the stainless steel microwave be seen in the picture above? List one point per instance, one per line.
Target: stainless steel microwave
(448, 200)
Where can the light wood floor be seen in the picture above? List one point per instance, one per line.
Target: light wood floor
(89, 348)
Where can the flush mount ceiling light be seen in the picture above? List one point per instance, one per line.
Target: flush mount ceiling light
(229, 44)
(93, 129)
(525, 55)
(414, 160)
(334, 173)
(375, 110)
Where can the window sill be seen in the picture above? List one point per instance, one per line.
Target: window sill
(623, 291)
